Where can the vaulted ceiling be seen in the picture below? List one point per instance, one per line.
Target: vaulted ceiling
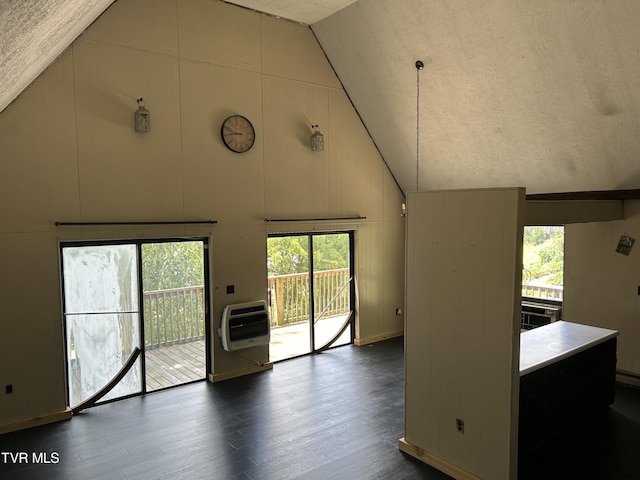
(513, 92)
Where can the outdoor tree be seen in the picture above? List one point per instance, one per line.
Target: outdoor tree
(543, 254)
(290, 254)
(172, 265)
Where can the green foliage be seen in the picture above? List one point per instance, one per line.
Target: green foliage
(172, 265)
(288, 259)
(287, 255)
(330, 252)
(534, 235)
(543, 255)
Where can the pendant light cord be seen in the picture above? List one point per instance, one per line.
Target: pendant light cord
(419, 66)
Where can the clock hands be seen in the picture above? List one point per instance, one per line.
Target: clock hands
(229, 131)
(237, 133)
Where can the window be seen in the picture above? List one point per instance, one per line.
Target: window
(543, 262)
(542, 275)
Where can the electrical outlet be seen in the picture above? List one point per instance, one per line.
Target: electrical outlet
(8, 389)
(460, 425)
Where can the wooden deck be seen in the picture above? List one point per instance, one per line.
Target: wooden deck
(175, 365)
(185, 362)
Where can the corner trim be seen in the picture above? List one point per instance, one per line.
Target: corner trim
(435, 461)
(378, 338)
(219, 377)
(627, 379)
(36, 421)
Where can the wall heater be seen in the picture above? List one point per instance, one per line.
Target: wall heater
(244, 325)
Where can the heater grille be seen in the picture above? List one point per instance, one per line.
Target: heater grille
(245, 325)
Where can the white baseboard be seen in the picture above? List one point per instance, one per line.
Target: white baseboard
(35, 422)
(626, 378)
(378, 338)
(218, 377)
(440, 463)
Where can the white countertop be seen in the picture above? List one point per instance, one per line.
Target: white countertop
(545, 345)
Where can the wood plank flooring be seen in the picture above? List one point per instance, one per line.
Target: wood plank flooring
(175, 365)
(336, 415)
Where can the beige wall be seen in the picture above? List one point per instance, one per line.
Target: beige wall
(601, 286)
(69, 153)
(464, 261)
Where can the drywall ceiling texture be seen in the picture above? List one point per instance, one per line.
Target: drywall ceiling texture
(514, 93)
(32, 35)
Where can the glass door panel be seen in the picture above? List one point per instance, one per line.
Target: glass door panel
(104, 322)
(102, 319)
(332, 288)
(174, 311)
(289, 296)
(310, 297)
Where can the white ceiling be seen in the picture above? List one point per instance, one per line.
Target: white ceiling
(538, 94)
(305, 11)
(32, 35)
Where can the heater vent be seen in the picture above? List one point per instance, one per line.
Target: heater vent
(245, 325)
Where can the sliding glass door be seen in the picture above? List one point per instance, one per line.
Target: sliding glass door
(145, 294)
(332, 290)
(173, 293)
(311, 292)
(102, 319)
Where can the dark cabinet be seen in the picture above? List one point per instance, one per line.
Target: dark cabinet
(562, 394)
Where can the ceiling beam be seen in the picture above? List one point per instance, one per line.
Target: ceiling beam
(563, 212)
(588, 195)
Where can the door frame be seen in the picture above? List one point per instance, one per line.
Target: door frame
(352, 286)
(138, 242)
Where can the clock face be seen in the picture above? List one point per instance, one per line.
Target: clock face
(238, 133)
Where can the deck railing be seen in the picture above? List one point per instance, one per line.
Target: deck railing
(289, 296)
(543, 291)
(177, 315)
(173, 316)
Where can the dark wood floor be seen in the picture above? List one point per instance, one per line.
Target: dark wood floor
(337, 415)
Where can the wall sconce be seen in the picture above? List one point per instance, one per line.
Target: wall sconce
(142, 118)
(317, 140)
(624, 244)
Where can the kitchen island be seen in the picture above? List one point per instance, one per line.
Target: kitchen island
(567, 372)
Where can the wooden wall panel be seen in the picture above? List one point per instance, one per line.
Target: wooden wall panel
(39, 178)
(223, 185)
(292, 51)
(70, 153)
(149, 25)
(292, 170)
(358, 183)
(124, 174)
(32, 353)
(464, 255)
(601, 285)
(219, 33)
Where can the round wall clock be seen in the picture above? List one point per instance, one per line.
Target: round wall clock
(237, 133)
